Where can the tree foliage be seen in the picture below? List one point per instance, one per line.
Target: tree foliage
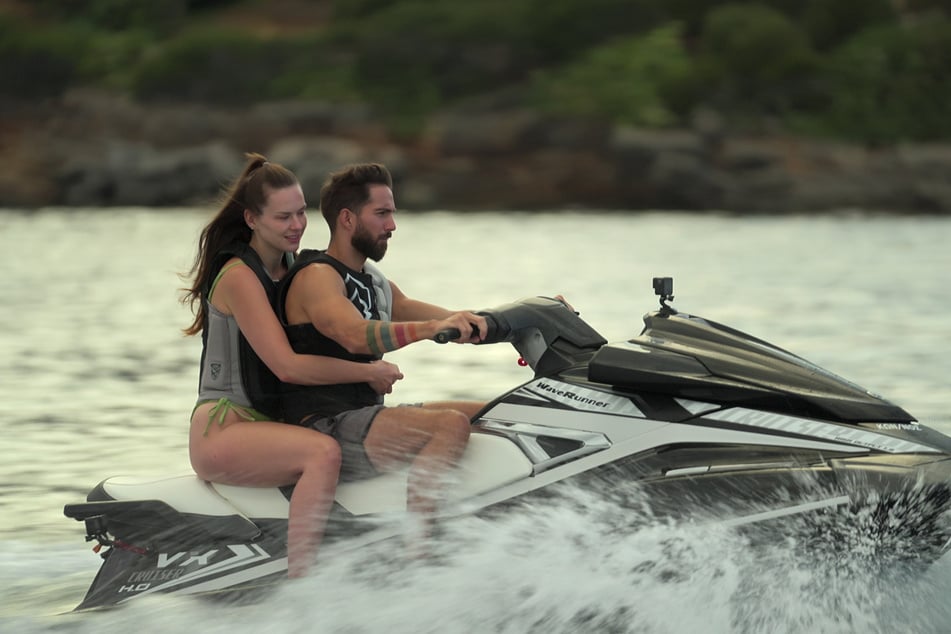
(854, 69)
(888, 84)
(623, 80)
(37, 65)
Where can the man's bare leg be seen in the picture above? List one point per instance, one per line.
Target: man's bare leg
(430, 439)
(470, 409)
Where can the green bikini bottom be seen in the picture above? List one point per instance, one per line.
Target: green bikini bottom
(222, 406)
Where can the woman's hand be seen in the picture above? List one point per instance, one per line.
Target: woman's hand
(565, 302)
(383, 375)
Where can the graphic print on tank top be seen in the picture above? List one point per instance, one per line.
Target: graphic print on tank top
(360, 295)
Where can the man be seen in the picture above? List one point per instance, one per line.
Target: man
(337, 304)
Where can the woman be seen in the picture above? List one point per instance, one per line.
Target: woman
(235, 435)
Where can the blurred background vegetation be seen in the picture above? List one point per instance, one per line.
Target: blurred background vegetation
(870, 71)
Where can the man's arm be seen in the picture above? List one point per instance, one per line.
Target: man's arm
(318, 295)
(406, 308)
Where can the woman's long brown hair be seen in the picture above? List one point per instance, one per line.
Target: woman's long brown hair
(249, 191)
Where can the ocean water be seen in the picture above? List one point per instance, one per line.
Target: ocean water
(97, 380)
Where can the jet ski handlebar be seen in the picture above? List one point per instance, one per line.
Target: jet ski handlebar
(546, 331)
(551, 317)
(450, 334)
(503, 321)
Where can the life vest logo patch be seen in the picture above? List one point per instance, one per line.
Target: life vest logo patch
(361, 296)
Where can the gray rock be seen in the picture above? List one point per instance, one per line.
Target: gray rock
(95, 149)
(136, 174)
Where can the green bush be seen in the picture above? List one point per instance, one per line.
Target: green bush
(460, 48)
(413, 57)
(690, 13)
(232, 67)
(213, 65)
(38, 63)
(116, 15)
(357, 9)
(753, 60)
(315, 67)
(927, 6)
(754, 42)
(888, 84)
(693, 13)
(111, 59)
(206, 5)
(874, 81)
(832, 22)
(560, 30)
(623, 81)
(550, 30)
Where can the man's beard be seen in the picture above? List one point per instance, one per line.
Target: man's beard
(363, 242)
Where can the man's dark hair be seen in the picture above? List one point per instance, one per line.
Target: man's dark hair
(349, 188)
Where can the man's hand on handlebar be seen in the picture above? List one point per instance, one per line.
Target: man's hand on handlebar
(462, 327)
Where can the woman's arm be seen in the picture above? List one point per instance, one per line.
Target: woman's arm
(239, 292)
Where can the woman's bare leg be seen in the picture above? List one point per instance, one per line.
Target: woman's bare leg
(268, 454)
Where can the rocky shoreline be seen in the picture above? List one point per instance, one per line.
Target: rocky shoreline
(94, 150)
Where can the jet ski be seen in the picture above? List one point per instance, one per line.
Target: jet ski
(694, 420)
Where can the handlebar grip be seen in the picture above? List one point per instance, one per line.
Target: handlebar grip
(447, 335)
